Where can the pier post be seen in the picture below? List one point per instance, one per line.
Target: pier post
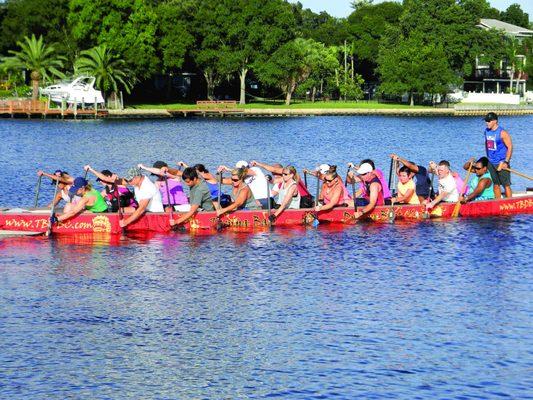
(95, 108)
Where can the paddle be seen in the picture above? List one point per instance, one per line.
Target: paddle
(315, 214)
(52, 212)
(354, 197)
(37, 190)
(390, 171)
(519, 173)
(457, 207)
(120, 210)
(270, 220)
(392, 215)
(171, 212)
(305, 178)
(425, 214)
(220, 224)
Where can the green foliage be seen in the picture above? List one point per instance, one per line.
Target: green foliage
(45, 18)
(127, 27)
(109, 70)
(351, 89)
(320, 27)
(42, 60)
(293, 63)
(412, 66)
(516, 16)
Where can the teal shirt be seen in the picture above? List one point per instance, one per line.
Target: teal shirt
(488, 193)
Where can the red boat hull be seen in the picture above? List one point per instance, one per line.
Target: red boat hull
(29, 221)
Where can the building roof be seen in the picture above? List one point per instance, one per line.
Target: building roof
(509, 29)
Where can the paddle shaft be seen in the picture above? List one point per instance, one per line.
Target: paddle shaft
(457, 207)
(390, 171)
(37, 190)
(219, 187)
(120, 211)
(426, 212)
(519, 173)
(354, 197)
(305, 178)
(168, 197)
(52, 211)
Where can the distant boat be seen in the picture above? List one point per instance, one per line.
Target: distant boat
(77, 91)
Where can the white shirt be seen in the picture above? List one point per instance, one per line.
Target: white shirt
(148, 190)
(449, 186)
(257, 183)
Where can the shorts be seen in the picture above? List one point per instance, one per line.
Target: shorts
(499, 178)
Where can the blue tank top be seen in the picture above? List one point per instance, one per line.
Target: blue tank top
(496, 149)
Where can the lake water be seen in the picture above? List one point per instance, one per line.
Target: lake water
(433, 310)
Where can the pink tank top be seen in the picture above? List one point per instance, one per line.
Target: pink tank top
(175, 188)
(343, 199)
(459, 183)
(382, 181)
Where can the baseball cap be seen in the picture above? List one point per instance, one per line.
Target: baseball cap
(79, 182)
(132, 173)
(365, 168)
(241, 164)
(491, 117)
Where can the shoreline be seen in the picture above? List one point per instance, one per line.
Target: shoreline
(305, 112)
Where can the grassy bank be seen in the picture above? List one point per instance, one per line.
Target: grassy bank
(295, 106)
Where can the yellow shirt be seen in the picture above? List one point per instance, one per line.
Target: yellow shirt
(403, 188)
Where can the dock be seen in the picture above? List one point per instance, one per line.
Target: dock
(42, 109)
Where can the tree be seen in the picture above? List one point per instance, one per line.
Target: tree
(410, 65)
(46, 18)
(126, 27)
(320, 27)
(109, 70)
(292, 64)
(479, 8)
(516, 16)
(366, 27)
(42, 60)
(247, 32)
(323, 71)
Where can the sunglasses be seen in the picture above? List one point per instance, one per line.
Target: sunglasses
(235, 179)
(477, 168)
(286, 173)
(329, 180)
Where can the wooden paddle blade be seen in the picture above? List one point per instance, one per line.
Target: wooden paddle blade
(456, 209)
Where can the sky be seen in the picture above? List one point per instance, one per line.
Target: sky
(341, 8)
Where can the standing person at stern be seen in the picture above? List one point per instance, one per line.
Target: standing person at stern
(499, 148)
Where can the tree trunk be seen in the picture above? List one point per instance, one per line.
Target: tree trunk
(35, 89)
(353, 68)
(242, 76)
(412, 95)
(210, 81)
(290, 90)
(511, 80)
(313, 94)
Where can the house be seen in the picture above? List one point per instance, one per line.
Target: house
(486, 78)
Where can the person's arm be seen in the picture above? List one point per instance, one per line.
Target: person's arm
(437, 199)
(432, 167)
(269, 168)
(481, 186)
(405, 197)
(372, 200)
(506, 138)
(336, 195)
(66, 181)
(311, 172)
(136, 214)
(411, 166)
(286, 201)
(352, 178)
(106, 179)
(185, 217)
(470, 163)
(165, 171)
(78, 208)
(239, 201)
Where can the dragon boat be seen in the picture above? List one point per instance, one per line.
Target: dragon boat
(35, 221)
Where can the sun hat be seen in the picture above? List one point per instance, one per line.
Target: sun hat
(365, 168)
(323, 168)
(79, 182)
(132, 173)
(241, 164)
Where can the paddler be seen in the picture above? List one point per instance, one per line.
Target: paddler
(481, 185)
(90, 200)
(288, 194)
(373, 190)
(420, 176)
(254, 178)
(65, 182)
(333, 193)
(200, 196)
(146, 194)
(126, 198)
(448, 190)
(241, 194)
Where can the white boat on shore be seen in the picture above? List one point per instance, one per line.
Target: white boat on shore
(77, 91)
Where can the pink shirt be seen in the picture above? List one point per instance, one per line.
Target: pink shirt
(382, 181)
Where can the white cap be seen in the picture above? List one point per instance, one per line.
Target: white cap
(323, 168)
(365, 168)
(241, 164)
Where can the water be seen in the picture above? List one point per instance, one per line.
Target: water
(428, 310)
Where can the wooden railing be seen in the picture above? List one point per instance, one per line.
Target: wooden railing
(216, 104)
(23, 106)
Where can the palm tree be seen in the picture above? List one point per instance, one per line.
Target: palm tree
(110, 71)
(40, 59)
